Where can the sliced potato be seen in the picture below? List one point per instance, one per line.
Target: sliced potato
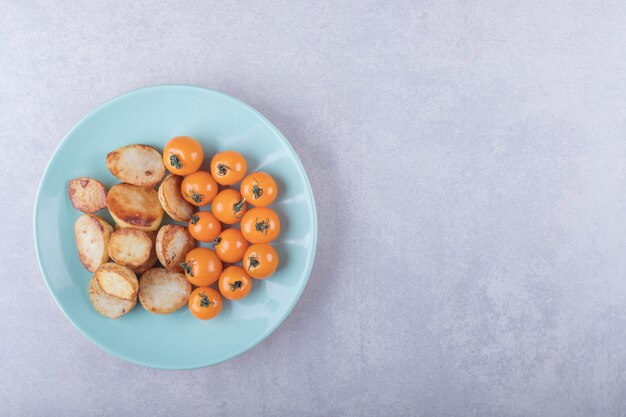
(133, 248)
(173, 242)
(87, 195)
(172, 200)
(92, 240)
(106, 304)
(140, 165)
(134, 206)
(162, 291)
(117, 280)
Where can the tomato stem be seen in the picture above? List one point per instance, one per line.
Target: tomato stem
(194, 219)
(256, 190)
(175, 162)
(222, 168)
(187, 268)
(262, 226)
(195, 197)
(254, 262)
(237, 207)
(204, 300)
(234, 286)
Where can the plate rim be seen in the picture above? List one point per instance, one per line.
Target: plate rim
(281, 137)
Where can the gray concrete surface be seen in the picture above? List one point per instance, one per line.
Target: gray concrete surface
(469, 165)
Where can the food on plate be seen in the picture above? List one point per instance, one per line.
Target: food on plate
(199, 188)
(202, 266)
(133, 248)
(107, 305)
(162, 291)
(140, 165)
(234, 283)
(134, 206)
(92, 239)
(259, 189)
(173, 242)
(87, 195)
(183, 155)
(228, 167)
(205, 303)
(260, 260)
(204, 226)
(172, 200)
(260, 225)
(228, 206)
(118, 255)
(230, 246)
(117, 280)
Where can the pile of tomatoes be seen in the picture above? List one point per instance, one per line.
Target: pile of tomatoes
(248, 244)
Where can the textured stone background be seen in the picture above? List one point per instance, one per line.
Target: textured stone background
(469, 167)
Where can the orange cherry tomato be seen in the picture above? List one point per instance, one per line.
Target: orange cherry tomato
(230, 246)
(205, 303)
(199, 188)
(228, 206)
(260, 260)
(183, 155)
(260, 225)
(228, 167)
(259, 189)
(234, 283)
(204, 226)
(202, 266)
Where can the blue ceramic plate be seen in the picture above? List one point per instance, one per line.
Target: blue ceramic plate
(152, 116)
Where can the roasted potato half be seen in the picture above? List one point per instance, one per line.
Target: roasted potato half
(162, 291)
(172, 200)
(135, 206)
(92, 240)
(117, 280)
(106, 304)
(140, 165)
(87, 195)
(172, 244)
(133, 248)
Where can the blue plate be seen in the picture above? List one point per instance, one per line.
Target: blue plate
(152, 116)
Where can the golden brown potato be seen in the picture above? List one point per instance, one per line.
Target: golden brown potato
(106, 304)
(133, 248)
(134, 206)
(140, 165)
(92, 239)
(87, 195)
(173, 242)
(162, 291)
(117, 280)
(172, 200)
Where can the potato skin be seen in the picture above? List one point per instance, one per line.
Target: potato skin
(137, 164)
(172, 200)
(92, 236)
(134, 206)
(87, 194)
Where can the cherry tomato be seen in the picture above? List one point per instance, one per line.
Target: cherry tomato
(260, 225)
(199, 188)
(228, 167)
(205, 303)
(230, 246)
(259, 189)
(202, 266)
(260, 260)
(228, 206)
(183, 155)
(234, 283)
(204, 226)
